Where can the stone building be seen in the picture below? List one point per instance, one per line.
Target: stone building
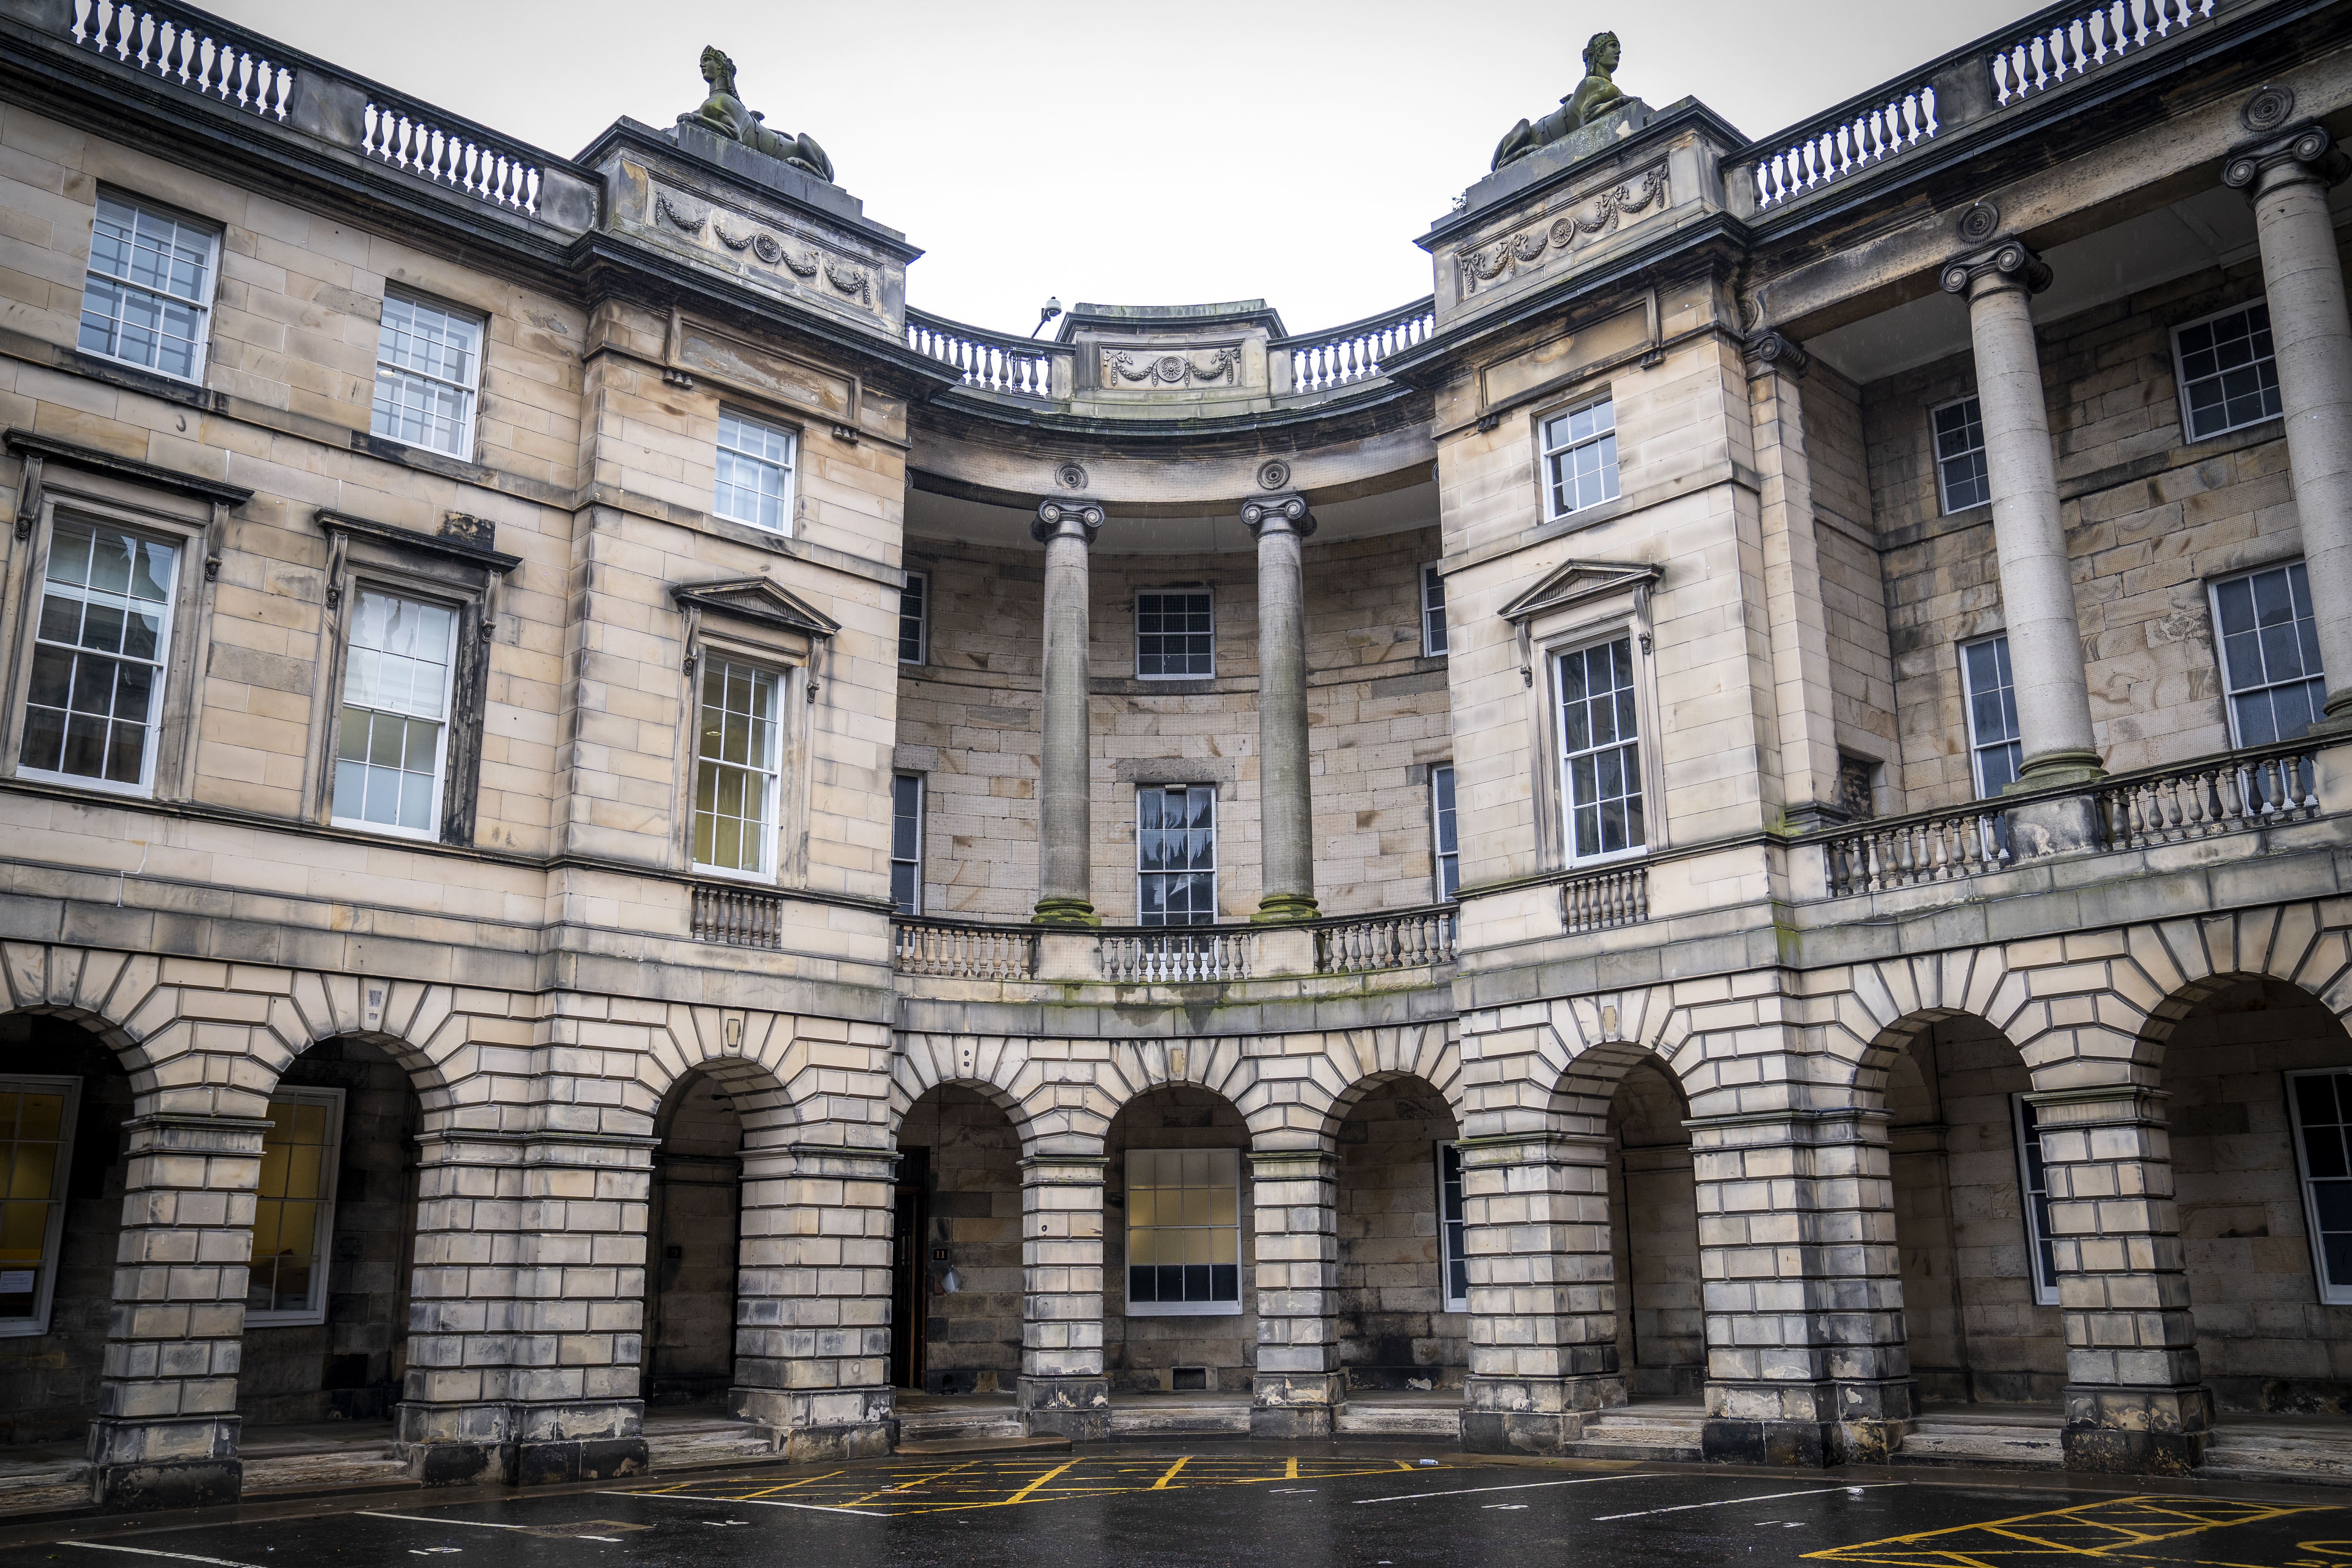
(1725, 837)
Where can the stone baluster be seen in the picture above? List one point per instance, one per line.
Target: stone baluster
(2135, 1404)
(1807, 1362)
(1543, 1294)
(165, 1434)
(1063, 1386)
(812, 1299)
(1064, 886)
(2286, 173)
(2037, 592)
(1299, 1388)
(1286, 799)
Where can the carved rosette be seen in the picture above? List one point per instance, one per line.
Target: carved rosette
(1278, 512)
(1066, 519)
(2008, 262)
(1556, 237)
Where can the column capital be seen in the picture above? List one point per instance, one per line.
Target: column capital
(1282, 511)
(2004, 264)
(1067, 518)
(2290, 154)
(1765, 349)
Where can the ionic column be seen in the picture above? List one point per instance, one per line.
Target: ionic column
(2037, 593)
(1543, 1302)
(1807, 1363)
(2134, 1402)
(813, 1298)
(1298, 1389)
(166, 1432)
(2286, 177)
(527, 1308)
(1063, 1388)
(1285, 800)
(1064, 889)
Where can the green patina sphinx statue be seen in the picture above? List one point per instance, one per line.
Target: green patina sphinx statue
(724, 112)
(1593, 97)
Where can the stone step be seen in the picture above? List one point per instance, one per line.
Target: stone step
(992, 1421)
(1044, 1442)
(1175, 1419)
(2257, 1456)
(1617, 1435)
(1440, 1421)
(1972, 1443)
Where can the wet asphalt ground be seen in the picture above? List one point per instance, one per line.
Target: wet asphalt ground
(1359, 1505)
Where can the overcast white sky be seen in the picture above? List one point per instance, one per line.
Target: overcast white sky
(1144, 152)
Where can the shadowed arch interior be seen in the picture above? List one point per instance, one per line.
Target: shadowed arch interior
(1654, 1225)
(1395, 1327)
(692, 1243)
(959, 1283)
(1200, 1210)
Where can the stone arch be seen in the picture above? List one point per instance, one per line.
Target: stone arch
(2073, 1008)
(993, 1068)
(2189, 962)
(1303, 1086)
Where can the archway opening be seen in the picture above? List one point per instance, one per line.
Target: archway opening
(2259, 1081)
(1179, 1301)
(1403, 1297)
(692, 1245)
(326, 1310)
(1980, 1299)
(64, 1098)
(962, 1283)
(1653, 1231)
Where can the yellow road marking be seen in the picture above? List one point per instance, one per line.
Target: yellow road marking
(1023, 1495)
(803, 1481)
(1291, 1473)
(1170, 1474)
(918, 1480)
(2102, 1528)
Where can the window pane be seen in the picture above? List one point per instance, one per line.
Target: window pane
(913, 605)
(2270, 652)
(396, 696)
(1183, 1237)
(1173, 634)
(735, 766)
(1601, 757)
(754, 468)
(2229, 378)
(1176, 857)
(102, 636)
(148, 288)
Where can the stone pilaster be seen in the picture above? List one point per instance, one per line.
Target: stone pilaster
(1285, 803)
(526, 1316)
(1065, 836)
(812, 1301)
(166, 1432)
(2134, 1401)
(1804, 721)
(2037, 590)
(1299, 1388)
(2286, 174)
(1807, 1362)
(1543, 1304)
(1063, 1387)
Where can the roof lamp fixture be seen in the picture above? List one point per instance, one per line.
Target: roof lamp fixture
(1045, 313)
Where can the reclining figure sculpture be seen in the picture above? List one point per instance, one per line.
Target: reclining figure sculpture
(724, 112)
(1595, 95)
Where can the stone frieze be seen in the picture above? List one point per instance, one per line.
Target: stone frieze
(1547, 239)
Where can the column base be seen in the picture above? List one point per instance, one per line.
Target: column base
(556, 1462)
(137, 1465)
(1285, 908)
(1293, 1405)
(1798, 1445)
(2066, 825)
(2137, 1431)
(1541, 1433)
(825, 1423)
(1078, 1409)
(1537, 1415)
(1065, 913)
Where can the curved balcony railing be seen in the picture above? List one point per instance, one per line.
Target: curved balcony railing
(1163, 956)
(1341, 356)
(986, 360)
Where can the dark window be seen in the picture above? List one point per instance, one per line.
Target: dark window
(2270, 652)
(2227, 378)
(1433, 613)
(907, 843)
(2323, 1117)
(1176, 855)
(1442, 831)
(1454, 1227)
(1173, 636)
(914, 619)
(1960, 471)
(1993, 715)
(2033, 1181)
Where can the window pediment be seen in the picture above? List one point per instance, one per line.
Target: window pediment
(757, 600)
(1574, 582)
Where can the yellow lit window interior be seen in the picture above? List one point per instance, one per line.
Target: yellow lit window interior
(34, 1124)
(286, 1221)
(1183, 1238)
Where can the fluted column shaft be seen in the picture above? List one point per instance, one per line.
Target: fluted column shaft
(2287, 179)
(1065, 887)
(2037, 591)
(1286, 799)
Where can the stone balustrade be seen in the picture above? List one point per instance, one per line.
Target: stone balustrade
(1394, 939)
(2069, 40)
(992, 362)
(206, 57)
(1341, 356)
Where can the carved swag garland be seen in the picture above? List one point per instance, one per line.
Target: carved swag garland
(1173, 369)
(854, 281)
(1635, 196)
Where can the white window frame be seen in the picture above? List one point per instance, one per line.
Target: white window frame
(1452, 1252)
(2330, 1293)
(182, 546)
(920, 585)
(431, 831)
(2041, 1271)
(2231, 692)
(1435, 637)
(1548, 455)
(53, 1239)
(1217, 890)
(322, 1241)
(922, 809)
(787, 500)
(1438, 852)
(1977, 746)
(2189, 434)
(1210, 1309)
(469, 391)
(780, 677)
(203, 306)
(1644, 745)
(1936, 455)
(1205, 592)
